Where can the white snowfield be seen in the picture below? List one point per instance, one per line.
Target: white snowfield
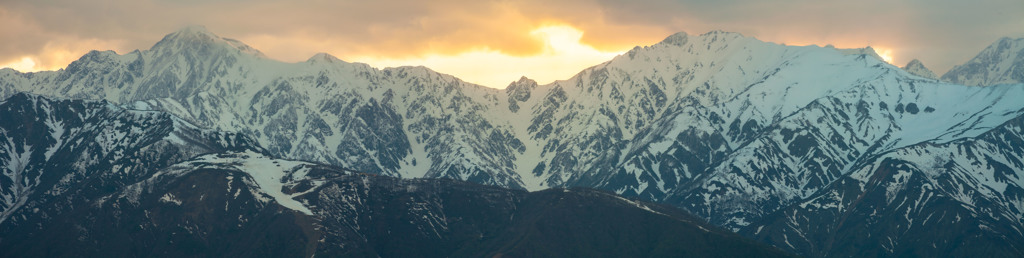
(267, 177)
(270, 175)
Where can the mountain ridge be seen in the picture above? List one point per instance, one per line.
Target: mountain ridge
(152, 185)
(1002, 62)
(915, 67)
(731, 128)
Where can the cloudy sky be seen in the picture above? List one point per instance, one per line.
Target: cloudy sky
(496, 42)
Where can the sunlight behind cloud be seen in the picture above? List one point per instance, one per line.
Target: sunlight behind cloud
(58, 54)
(563, 56)
(26, 64)
(886, 54)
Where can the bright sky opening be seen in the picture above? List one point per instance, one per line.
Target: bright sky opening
(25, 64)
(886, 55)
(563, 56)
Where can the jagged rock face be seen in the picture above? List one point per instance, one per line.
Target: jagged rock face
(794, 158)
(962, 198)
(57, 154)
(518, 92)
(406, 121)
(915, 67)
(766, 127)
(730, 128)
(222, 204)
(999, 63)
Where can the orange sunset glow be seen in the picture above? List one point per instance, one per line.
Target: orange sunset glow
(562, 56)
(495, 42)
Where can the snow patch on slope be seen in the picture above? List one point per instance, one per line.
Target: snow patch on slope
(270, 174)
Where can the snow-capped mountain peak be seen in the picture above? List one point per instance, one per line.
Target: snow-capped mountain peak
(199, 38)
(915, 67)
(999, 63)
(677, 39)
(865, 51)
(323, 57)
(718, 37)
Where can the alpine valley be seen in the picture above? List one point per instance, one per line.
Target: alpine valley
(201, 145)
